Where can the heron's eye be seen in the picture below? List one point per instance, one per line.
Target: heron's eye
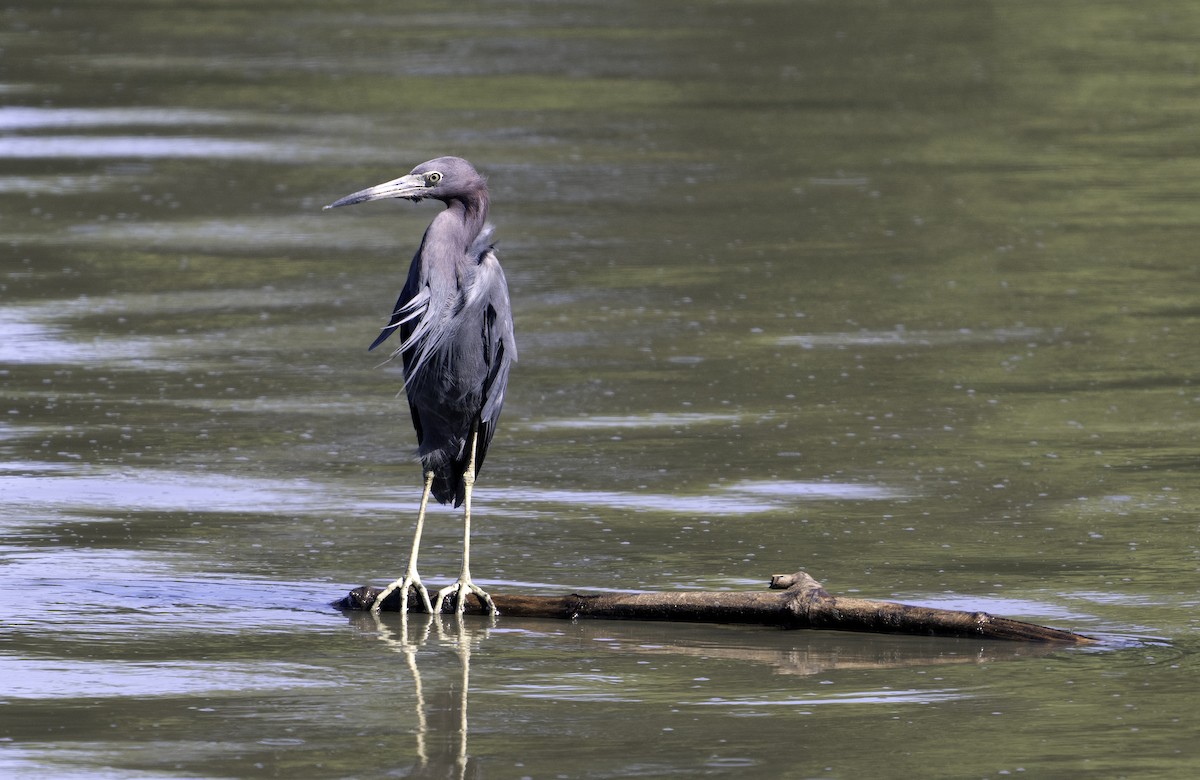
(432, 178)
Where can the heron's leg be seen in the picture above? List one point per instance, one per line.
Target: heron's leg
(411, 579)
(465, 585)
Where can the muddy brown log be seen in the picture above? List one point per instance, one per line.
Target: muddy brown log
(795, 601)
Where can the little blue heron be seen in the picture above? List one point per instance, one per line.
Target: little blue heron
(456, 345)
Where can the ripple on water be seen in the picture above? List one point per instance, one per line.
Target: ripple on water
(67, 679)
(90, 489)
(904, 337)
(34, 118)
(160, 490)
(141, 147)
(655, 420)
(815, 491)
(908, 696)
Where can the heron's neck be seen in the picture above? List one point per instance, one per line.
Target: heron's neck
(470, 212)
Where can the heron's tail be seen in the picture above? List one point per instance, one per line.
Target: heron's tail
(448, 485)
(447, 468)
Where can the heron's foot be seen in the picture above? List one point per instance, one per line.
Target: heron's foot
(462, 587)
(406, 584)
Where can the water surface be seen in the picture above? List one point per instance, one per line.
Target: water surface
(902, 296)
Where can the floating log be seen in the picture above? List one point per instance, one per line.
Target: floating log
(795, 601)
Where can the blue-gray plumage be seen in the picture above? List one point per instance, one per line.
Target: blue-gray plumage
(456, 345)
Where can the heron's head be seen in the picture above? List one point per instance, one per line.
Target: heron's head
(444, 179)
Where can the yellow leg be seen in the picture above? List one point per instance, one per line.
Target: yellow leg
(464, 584)
(411, 579)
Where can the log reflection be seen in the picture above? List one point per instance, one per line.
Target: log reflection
(437, 654)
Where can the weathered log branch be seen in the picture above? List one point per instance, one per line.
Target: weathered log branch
(795, 601)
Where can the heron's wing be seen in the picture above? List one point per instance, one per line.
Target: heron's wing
(500, 349)
(500, 346)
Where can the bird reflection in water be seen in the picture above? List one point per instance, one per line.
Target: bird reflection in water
(442, 718)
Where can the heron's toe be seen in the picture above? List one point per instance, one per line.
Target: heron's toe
(461, 589)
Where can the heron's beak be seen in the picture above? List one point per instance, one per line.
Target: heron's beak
(409, 186)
